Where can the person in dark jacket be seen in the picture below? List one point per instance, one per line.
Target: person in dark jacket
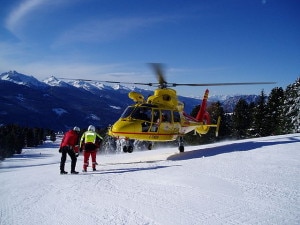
(69, 145)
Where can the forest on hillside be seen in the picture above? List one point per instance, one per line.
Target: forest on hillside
(275, 114)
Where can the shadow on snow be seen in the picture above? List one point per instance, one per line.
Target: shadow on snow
(125, 170)
(234, 147)
(32, 156)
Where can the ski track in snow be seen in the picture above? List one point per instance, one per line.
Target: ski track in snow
(254, 181)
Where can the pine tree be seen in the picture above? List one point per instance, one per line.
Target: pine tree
(292, 107)
(215, 110)
(251, 107)
(259, 124)
(14, 138)
(52, 136)
(11, 140)
(29, 138)
(275, 114)
(241, 119)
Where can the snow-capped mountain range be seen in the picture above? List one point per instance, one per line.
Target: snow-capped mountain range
(60, 104)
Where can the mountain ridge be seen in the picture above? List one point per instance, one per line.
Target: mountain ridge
(60, 104)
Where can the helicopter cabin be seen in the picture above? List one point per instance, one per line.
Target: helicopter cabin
(153, 119)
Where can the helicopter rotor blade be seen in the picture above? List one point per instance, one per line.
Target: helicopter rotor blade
(108, 81)
(221, 84)
(158, 70)
(163, 84)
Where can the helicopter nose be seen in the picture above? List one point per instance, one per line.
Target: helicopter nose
(123, 127)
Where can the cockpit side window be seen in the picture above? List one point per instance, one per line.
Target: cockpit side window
(176, 116)
(166, 116)
(149, 114)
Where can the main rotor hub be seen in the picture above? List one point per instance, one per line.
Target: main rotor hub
(164, 97)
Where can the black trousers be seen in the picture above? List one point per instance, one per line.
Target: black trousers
(64, 151)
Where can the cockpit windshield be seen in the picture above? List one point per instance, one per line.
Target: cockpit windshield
(142, 113)
(138, 112)
(127, 112)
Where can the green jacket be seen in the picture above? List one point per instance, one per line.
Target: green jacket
(90, 137)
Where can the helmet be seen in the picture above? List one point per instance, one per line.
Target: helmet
(77, 129)
(91, 128)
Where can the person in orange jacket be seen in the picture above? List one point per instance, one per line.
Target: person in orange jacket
(69, 145)
(90, 142)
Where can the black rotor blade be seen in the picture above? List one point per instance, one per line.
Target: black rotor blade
(221, 84)
(158, 69)
(108, 81)
(163, 83)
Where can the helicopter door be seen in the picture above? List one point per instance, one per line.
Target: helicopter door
(155, 120)
(176, 120)
(143, 115)
(166, 125)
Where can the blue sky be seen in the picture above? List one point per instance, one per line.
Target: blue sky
(199, 41)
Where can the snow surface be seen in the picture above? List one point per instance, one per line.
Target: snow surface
(253, 181)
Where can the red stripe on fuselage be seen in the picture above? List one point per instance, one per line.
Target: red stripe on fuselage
(143, 133)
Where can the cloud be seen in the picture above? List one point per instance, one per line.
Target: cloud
(28, 8)
(106, 30)
(19, 13)
(44, 68)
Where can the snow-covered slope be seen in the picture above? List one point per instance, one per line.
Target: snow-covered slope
(54, 82)
(254, 181)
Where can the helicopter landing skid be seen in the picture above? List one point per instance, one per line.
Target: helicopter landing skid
(180, 144)
(128, 147)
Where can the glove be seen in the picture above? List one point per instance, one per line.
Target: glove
(76, 154)
(76, 148)
(59, 150)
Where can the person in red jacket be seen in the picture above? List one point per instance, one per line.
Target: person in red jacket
(69, 145)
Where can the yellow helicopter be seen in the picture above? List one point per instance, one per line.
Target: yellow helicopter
(161, 116)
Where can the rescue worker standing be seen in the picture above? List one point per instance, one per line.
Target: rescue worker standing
(69, 145)
(90, 142)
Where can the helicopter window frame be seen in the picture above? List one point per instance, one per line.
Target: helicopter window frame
(156, 115)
